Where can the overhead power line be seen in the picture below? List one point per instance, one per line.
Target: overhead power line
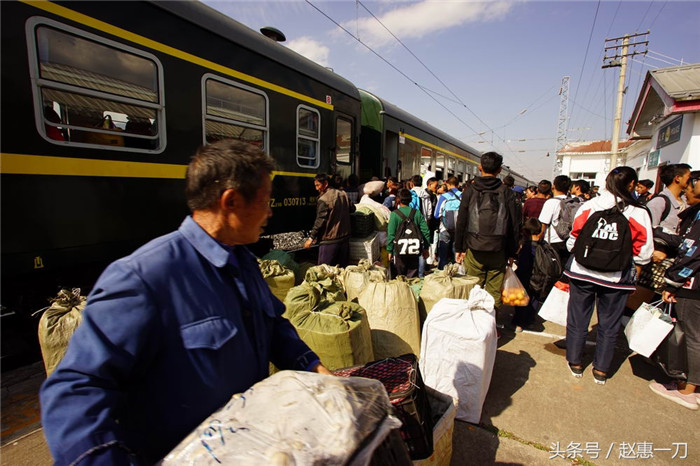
(590, 36)
(423, 88)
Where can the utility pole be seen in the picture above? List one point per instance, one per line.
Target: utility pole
(563, 123)
(620, 60)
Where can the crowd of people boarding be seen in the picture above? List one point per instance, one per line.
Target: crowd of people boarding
(614, 247)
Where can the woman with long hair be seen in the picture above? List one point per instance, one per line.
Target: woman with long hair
(602, 283)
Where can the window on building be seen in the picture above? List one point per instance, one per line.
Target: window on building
(233, 110)
(95, 92)
(590, 176)
(308, 137)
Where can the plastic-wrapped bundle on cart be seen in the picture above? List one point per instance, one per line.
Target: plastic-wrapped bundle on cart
(356, 277)
(338, 333)
(447, 283)
(296, 418)
(379, 212)
(57, 325)
(393, 317)
(279, 278)
(468, 329)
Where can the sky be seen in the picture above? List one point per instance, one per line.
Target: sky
(489, 73)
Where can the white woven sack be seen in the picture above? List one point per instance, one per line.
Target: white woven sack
(458, 350)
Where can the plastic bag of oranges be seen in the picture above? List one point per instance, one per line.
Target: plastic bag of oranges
(513, 293)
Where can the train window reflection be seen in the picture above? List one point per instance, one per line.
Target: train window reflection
(91, 91)
(308, 137)
(343, 140)
(233, 110)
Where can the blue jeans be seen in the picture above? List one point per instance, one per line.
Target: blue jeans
(446, 249)
(611, 304)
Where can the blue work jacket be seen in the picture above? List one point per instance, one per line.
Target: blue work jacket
(169, 334)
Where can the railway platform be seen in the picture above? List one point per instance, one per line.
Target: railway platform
(535, 413)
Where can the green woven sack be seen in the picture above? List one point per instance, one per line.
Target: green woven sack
(57, 325)
(339, 334)
(283, 257)
(447, 283)
(393, 316)
(279, 278)
(356, 277)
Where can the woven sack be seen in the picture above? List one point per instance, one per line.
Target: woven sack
(279, 278)
(321, 287)
(284, 258)
(447, 283)
(57, 325)
(356, 277)
(339, 334)
(393, 316)
(380, 219)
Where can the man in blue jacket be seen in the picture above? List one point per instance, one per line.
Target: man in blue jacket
(173, 330)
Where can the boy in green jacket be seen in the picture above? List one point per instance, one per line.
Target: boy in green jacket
(407, 238)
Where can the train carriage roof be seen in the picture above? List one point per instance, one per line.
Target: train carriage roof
(230, 29)
(395, 112)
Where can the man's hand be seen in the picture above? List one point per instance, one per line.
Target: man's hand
(658, 256)
(321, 369)
(390, 257)
(669, 297)
(459, 257)
(308, 243)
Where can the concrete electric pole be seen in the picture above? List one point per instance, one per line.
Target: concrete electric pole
(563, 123)
(620, 60)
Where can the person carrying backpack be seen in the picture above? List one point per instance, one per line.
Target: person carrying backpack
(488, 227)
(610, 240)
(557, 216)
(446, 212)
(407, 236)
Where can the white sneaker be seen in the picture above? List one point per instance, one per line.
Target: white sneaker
(669, 392)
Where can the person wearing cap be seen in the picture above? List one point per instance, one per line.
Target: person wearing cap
(643, 190)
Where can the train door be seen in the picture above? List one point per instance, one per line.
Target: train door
(344, 163)
(427, 161)
(440, 172)
(391, 164)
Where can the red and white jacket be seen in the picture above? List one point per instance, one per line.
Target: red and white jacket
(642, 243)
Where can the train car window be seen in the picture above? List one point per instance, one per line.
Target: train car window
(308, 137)
(91, 91)
(343, 146)
(426, 159)
(233, 110)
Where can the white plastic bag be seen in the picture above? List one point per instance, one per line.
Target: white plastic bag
(554, 308)
(647, 328)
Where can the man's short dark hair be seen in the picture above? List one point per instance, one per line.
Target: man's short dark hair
(583, 185)
(225, 164)
(532, 226)
(670, 172)
(491, 162)
(417, 180)
(405, 196)
(432, 179)
(453, 181)
(509, 181)
(646, 183)
(545, 187)
(562, 183)
(322, 178)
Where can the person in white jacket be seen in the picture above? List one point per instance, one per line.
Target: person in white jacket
(609, 289)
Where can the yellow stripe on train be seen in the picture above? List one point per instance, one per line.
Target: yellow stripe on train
(23, 164)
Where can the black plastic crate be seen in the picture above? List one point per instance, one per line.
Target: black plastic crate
(361, 224)
(404, 384)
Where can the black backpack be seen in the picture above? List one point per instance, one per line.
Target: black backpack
(408, 239)
(605, 242)
(567, 211)
(546, 270)
(488, 219)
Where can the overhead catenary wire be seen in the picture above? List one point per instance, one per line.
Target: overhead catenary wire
(423, 88)
(460, 101)
(590, 36)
